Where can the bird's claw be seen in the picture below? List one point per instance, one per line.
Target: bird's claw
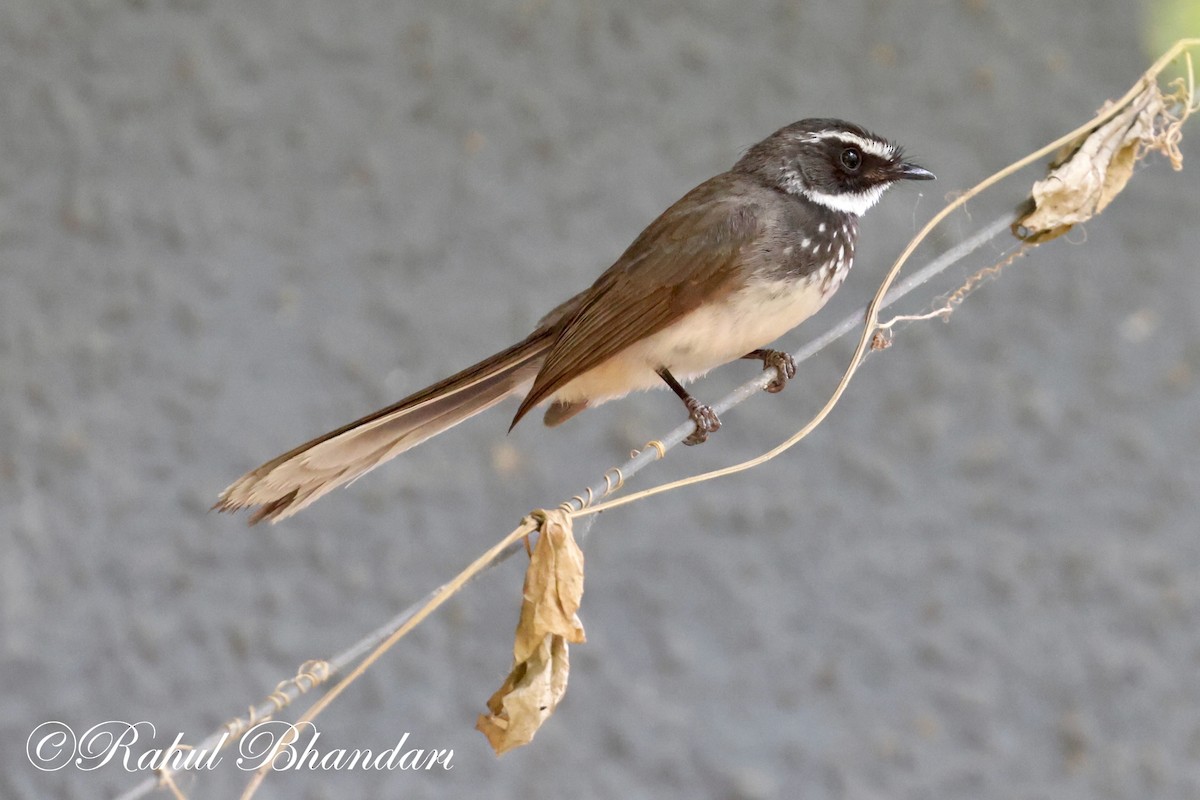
(706, 421)
(784, 364)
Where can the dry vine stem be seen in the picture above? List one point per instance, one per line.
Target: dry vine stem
(1156, 122)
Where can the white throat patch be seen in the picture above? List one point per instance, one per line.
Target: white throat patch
(855, 203)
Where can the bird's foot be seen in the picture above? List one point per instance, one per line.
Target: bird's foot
(783, 363)
(706, 421)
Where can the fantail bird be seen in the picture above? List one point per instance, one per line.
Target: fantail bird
(733, 265)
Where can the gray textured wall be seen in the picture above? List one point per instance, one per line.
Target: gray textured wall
(225, 227)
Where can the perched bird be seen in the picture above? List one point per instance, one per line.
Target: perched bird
(733, 265)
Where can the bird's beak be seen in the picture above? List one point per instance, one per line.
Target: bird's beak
(908, 171)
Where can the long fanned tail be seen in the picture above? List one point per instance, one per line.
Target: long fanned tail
(288, 483)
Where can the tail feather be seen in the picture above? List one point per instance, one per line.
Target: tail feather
(292, 481)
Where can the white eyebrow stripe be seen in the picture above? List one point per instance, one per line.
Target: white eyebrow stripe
(872, 146)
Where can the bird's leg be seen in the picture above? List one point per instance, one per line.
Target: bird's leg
(783, 363)
(705, 418)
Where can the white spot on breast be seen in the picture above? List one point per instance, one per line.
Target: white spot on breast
(821, 228)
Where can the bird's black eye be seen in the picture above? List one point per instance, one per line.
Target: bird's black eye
(852, 159)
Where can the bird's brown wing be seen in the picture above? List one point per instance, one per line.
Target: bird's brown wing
(691, 254)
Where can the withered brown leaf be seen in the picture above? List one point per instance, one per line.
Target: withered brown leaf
(551, 598)
(1094, 171)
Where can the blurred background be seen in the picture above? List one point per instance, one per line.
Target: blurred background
(228, 227)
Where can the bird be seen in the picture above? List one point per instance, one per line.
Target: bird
(727, 269)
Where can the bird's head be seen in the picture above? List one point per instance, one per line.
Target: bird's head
(830, 162)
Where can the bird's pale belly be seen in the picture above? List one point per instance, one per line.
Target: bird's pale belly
(706, 338)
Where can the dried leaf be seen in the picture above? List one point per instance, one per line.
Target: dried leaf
(528, 697)
(553, 588)
(541, 663)
(1095, 171)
